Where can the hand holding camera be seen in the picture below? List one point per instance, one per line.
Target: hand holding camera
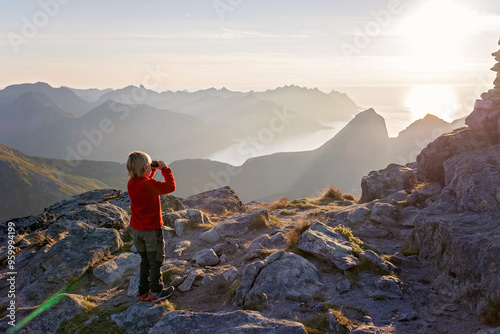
(158, 164)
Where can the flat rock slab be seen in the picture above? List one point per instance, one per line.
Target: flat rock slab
(326, 244)
(237, 322)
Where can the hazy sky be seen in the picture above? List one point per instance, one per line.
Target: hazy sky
(248, 44)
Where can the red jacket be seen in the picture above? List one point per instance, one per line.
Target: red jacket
(144, 193)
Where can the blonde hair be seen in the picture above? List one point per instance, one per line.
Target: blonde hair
(136, 163)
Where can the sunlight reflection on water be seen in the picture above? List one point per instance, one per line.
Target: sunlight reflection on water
(238, 153)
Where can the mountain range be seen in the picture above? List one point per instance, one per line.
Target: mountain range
(105, 125)
(63, 125)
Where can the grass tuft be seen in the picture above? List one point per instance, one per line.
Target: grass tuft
(279, 204)
(40, 239)
(258, 221)
(287, 212)
(234, 287)
(172, 271)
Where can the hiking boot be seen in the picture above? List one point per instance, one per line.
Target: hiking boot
(163, 294)
(146, 297)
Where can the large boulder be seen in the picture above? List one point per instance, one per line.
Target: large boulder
(99, 215)
(326, 244)
(280, 276)
(385, 182)
(219, 202)
(237, 322)
(475, 179)
(55, 266)
(430, 162)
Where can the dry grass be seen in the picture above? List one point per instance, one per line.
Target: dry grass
(278, 204)
(40, 239)
(332, 193)
(288, 212)
(258, 221)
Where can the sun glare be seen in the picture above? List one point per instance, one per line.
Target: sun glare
(435, 32)
(437, 100)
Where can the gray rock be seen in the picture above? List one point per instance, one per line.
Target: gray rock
(343, 285)
(139, 318)
(227, 247)
(463, 250)
(66, 307)
(373, 258)
(206, 257)
(325, 244)
(211, 236)
(408, 215)
(237, 322)
(181, 247)
(280, 276)
(474, 178)
(170, 203)
(117, 269)
(241, 224)
(397, 197)
(180, 226)
(56, 266)
(99, 215)
(385, 182)
(370, 230)
(407, 316)
(133, 285)
(389, 287)
(277, 241)
(385, 214)
(430, 162)
(219, 202)
(192, 276)
(196, 218)
(230, 275)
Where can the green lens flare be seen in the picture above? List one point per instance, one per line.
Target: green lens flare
(56, 298)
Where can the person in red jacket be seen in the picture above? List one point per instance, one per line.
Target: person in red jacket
(146, 221)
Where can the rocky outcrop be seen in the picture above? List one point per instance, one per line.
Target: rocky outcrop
(281, 276)
(219, 201)
(430, 162)
(324, 243)
(463, 248)
(474, 178)
(385, 182)
(67, 260)
(244, 322)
